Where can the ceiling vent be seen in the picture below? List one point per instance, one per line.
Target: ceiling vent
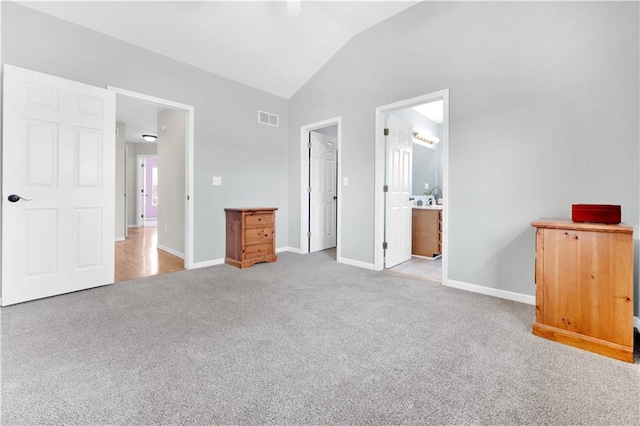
(268, 118)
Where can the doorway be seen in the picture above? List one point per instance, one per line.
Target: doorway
(320, 174)
(159, 235)
(147, 194)
(424, 209)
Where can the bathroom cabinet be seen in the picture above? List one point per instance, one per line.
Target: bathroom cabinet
(426, 232)
(250, 236)
(584, 286)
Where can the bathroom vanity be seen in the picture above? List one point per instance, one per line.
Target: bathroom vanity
(426, 235)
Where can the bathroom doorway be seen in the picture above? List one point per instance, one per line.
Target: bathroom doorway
(411, 224)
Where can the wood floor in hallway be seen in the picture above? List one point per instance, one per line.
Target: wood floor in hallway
(138, 256)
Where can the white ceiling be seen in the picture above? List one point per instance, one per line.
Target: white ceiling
(255, 43)
(433, 110)
(139, 118)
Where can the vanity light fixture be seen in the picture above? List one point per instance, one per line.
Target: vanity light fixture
(149, 138)
(429, 140)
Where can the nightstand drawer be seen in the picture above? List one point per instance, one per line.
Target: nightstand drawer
(253, 235)
(251, 251)
(258, 219)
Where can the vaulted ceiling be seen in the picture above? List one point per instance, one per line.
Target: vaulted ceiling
(255, 43)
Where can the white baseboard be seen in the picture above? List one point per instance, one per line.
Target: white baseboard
(132, 226)
(171, 251)
(207, 263)
(357, 263)
(504, 294)
(120, 238)
(291, 249)
(214, 262)
(495, 292)
(220, 261)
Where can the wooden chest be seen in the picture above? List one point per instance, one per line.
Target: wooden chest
(596, 213)
(250, 236)
(584, 286)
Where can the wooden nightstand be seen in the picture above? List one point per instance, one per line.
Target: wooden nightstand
(250, 236)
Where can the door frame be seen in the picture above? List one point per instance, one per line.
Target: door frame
(380, 169)
(141, 182)
(189, 160)
(305, 131)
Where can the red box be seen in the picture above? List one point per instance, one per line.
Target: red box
(597, 213)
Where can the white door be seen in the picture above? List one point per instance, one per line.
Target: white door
(59, 154)
(397, 201)
(147, 196)
(323, 196)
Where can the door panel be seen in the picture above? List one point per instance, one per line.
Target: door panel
(88, 238)
(397, 201)
(323, 192)
(41, 241)
(88, 157)
(58, 153)
(41, 148)
(90, 106)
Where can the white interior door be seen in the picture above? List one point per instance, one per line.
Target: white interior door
(59, 154)
(323, 195)
(397, 201)
(141, 191)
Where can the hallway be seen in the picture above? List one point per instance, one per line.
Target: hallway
(138, 256)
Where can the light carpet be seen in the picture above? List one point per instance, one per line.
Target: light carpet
(301, 341)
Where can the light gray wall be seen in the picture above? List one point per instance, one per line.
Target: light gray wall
(120, 183)
(229, 142)
(133, 150)
(171, 179)
(543, 114)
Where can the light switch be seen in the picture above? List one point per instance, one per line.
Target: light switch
(345, 181)
(426, 186)
(217, 181)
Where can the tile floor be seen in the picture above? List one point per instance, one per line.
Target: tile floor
(421, 268)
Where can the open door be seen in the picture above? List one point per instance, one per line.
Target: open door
(399, 151)
(58, 183)
(323, 194)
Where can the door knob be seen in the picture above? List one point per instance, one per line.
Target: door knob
(411, 198)
(335, 197)
(15, 198)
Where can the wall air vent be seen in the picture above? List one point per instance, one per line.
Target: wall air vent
(268, 118)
